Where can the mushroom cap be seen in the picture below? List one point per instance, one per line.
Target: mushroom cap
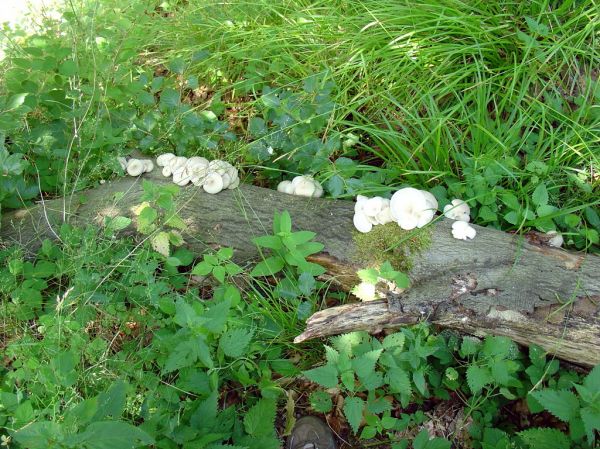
(298, 179)
(163, 159)
(226, 180)
(122, 162)
(360, 203)
(385, 216)
(431, 200)
(181, 177)
(196, 163)
(232, 171)
(198, 176)
(556, 240)
(135, 167)
(234, 184)
(318, 189)
(409, 207)
(283, 186)
(304, 188)
(166, 171)
(213, 183)
(373, 206)
(458, 210)
(177, 162)
(148, 165)
(462, 230)
(362, 223)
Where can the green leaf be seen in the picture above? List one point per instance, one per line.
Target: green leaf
(469, 346)
(40, 435)
(187, 353)
(561, 403)
(111, 435)
(268, 267)
(301, 237)
(365, 364)
(14, 102)
(217, 316)
(320, 401)
(545, 439)
(370, 275)
(169, 98)
(325, 375)
(118, 223)
(260, 419)
(306, 283)
(225, 253)
(268, 241)
(160, 243)
(202, 269)
(68, 68)
(592, 380)
(257, 127)
(146, 218)
(219, 273)
(394, 341)
(591, 421)
(234, 342)
(478, 377)
(399, 381)
(285, 222)
(353, 411)
(540, 195)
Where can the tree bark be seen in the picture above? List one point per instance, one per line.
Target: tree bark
(498, 283)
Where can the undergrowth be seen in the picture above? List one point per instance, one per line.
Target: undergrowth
(113, 342)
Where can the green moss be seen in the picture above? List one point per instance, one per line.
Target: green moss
(392, 243)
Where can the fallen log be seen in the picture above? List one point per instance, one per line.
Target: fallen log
(498, 284)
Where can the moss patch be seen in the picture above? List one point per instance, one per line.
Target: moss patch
(392, 243)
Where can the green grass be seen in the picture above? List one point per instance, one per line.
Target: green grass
(439, 91)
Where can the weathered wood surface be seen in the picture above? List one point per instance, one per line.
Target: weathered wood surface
(496, 284)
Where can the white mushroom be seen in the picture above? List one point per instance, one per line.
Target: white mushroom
(234, 183)
(196, 163)
(305, 187)
(431, 201)
(360, 203)
(122, 162)
(556, 240)
(176, 163)
(164, 159)
(198, 176)
(362, 223)
(226, 180)
(385, 215)
(166, 171)
(181, 177)
(410, 208)
(148, 165)
(462, 230)
(285, 187)
(135, 167)
(213, 183)
(318, 190)
(458, 210)
(373, 206)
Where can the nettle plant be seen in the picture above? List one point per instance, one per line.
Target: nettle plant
(407, 366)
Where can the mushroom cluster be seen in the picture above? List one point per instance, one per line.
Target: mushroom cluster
(301, 186)
(369, 212)
(461, 212)
(410, 208)
(212, 176)
(135, 167)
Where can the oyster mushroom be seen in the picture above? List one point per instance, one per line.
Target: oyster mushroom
(462, 230)
(213, 183)
(410, 209)
(164, 159)
(135, 167)
(458, 210)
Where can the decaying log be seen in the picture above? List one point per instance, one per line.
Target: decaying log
(496, 284)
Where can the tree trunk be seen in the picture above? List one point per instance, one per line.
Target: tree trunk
(498, 283)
